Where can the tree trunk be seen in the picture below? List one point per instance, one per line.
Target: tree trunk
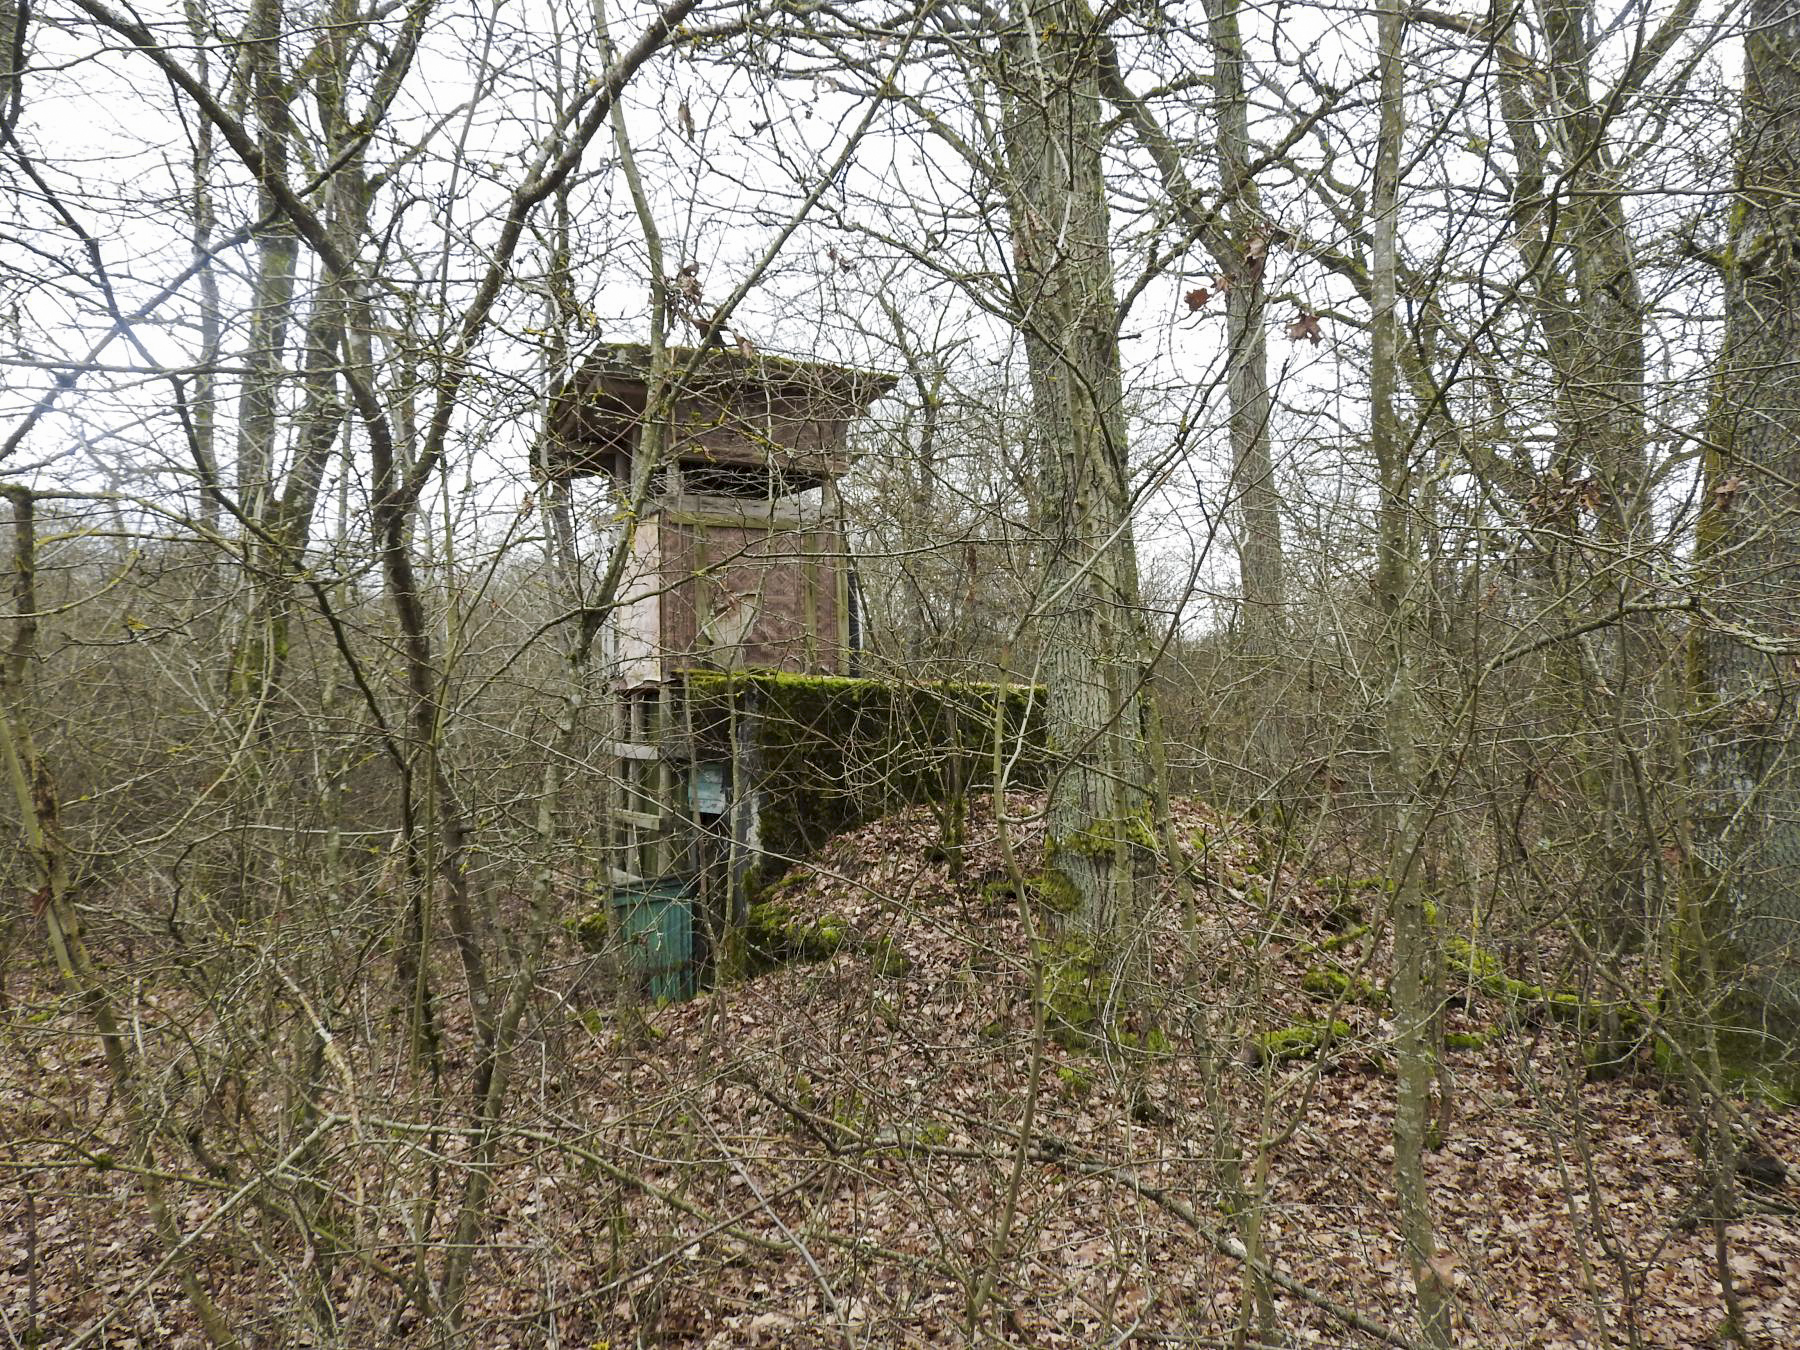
(1101, 839)
(285, 517)
(1240, 255)
(1238, 245)
(12, 53)
(277, 252)
(1396, 586)
(1745, 680)
(1601, 429)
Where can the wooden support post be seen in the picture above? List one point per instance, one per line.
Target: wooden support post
(832, 523)
(745, 834)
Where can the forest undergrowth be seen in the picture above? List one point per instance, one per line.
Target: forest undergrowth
(823, 1154)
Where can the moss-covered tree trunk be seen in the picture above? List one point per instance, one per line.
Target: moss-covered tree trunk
(1744, 669)
(1092, 631)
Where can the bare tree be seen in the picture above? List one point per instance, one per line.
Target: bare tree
(1093, 639)
(1742, 667)
(1398, 591)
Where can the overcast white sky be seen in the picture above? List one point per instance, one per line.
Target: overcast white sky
(114, 144)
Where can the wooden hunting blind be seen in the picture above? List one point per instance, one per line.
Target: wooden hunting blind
(738, 562)
(738, 559)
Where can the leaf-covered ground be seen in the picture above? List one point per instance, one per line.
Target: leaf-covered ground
(826, 1154)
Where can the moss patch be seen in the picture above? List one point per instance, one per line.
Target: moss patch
(1075, 1082)
(1054, 892)
(761, 883)
(1303, 1040)
(1079, 997)
(774, 934)
(1338, 941)
(1049, 890)
(588, 929)
(1103, 838)
(998, 896)
(887, 960)
(1322, 982)
(1349, 899)
(1078, 990)
(1744, 1063)
(1335, 943)
(1153, 1042)
(1483, 968)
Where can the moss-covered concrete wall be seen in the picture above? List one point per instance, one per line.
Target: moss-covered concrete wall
(828, 752)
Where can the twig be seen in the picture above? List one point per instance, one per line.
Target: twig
(1052, 1151)
(831, 1298)
(169, 1257)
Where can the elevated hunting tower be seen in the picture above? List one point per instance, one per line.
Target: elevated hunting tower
(738, 563)
(739, 557)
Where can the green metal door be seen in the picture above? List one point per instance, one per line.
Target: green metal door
(655, 922)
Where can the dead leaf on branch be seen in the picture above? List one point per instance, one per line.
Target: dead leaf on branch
(1305, 325)
(687, 286)
(1560, 496)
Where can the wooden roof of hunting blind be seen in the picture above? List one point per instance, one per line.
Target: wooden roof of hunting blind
(731, 410)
